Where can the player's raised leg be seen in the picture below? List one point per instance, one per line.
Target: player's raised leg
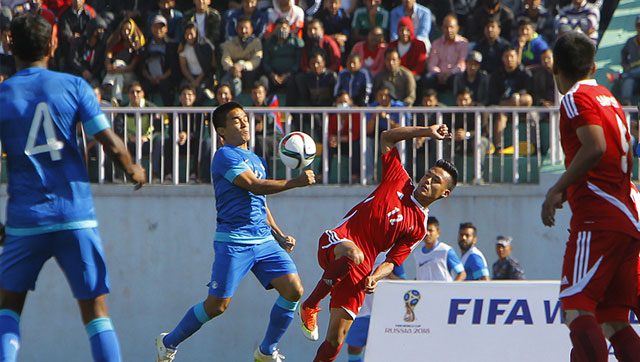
(339, 323)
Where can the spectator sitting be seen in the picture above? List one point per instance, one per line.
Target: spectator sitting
(506, 267)
(159, 57)
(475, 265)
(122, 57)
(490, 9)
(474, 78)
(354, 80)
(207, 20)
(544, 87)
(344, 135)
(630, 61)
(385, 97)
(412, 51)
(464, 126)
(259, 19)
(447, 56)
(581, 16)
(72, 23)
(241, 57)
(491, 46)
(317, 42)
(437, 260)
(541, 17)
(265, 135)
(372, 50)
(420, 17)
(190, 127)
(86, 54)
(336, 22)
(197, 62)
(281, 57)
(173, 16)
(286, 9)
(530, 44)
(368, 16)
(399, 77)
(315, 87)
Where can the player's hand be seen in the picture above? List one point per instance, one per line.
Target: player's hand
(553, 201)
(370, 284)
(287, 243)
(306, 178)
(138, 175)
(439, 131)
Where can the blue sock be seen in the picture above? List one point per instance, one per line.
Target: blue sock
(190, 323)
(356, 357)
(104, 342)
(282, 314)
(9, 335)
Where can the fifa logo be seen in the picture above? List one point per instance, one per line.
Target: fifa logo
(411, 299)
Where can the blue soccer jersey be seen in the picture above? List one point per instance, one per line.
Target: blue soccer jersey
(475, 265)
(48, 182)
(242, 215)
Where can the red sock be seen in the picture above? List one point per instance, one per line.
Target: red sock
(335, 272)
(588, 341)
(327, 352)
(626, 345)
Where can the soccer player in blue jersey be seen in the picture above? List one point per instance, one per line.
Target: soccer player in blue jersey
(50, 209)
(246, 238)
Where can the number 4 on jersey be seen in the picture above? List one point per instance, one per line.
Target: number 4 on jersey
(42, 118)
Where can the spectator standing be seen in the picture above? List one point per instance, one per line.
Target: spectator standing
(385, 97)
(122, 57)
(412, 51)
(197, 62)
(318, 42)
(581, 16)
(372, 50)
(259, 19)
(72, 22)
(630, 61)
(207, 20)
(86, 54)
(530, 44)
(544, 88)
(540, 16)
(398, 77)
(7, 63)
(448, 54)
(190, 128)
(356, 81)
(475, 265)
(506, 267)
(315, 87)
(241, 57)
(344, 136)
(282, 54)
(491, 46)
(265, 136)
(436, 260)
(336, 23)
(289, 10)
(366, 17)
(159, 60)
(473, 78)
(420, 17)
(486, 10)
(174, 19)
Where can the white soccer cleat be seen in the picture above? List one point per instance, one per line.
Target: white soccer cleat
(258, 356)
(164, 354)
(309, 322)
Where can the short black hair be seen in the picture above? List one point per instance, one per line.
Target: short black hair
(464, 90)
(187, 86)
(389, 51)
(244, 19)
(510, 48)
(31, 37)
(574, 55)
(524, 20)
(430, 92)
(451, 170)
(342, 92)
(468, 225)
(221, 112)
(433, 221)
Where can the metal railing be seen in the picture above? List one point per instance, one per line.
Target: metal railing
(179, 147)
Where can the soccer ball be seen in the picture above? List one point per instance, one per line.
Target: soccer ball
(297, 150)
(412, 297)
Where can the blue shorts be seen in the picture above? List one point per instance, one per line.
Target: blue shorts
(78, 252)
(232, 261)
(358, 332)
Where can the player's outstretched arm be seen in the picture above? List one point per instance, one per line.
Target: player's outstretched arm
(593, 148)
(118, 152)
(392, 136)
(248, 181)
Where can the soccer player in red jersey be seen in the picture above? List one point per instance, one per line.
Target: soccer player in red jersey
(599, 272)
(394, 218)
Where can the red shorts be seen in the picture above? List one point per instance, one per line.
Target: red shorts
(600, 274)
(348, 294)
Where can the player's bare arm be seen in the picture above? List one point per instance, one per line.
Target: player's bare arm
(381, 272)
(248, 181)
(460, 277)
(593, 148)
(390, 137)
(118, 152)
(287, 242)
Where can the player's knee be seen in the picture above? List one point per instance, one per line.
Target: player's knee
(294, 293)
(215, 307)
(355, 255)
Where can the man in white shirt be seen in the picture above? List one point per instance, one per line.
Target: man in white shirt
(436, 260)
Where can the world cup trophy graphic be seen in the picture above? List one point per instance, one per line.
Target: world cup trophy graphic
(411, 299)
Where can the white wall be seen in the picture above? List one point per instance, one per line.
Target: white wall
(158, 243)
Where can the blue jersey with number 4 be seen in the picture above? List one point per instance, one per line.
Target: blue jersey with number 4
(48, 185)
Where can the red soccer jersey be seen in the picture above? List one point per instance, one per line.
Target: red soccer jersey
(602, 199)
(389, 218)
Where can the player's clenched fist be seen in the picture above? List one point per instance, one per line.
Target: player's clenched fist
(370, 284)
(306, 178)
(439, 131)
(138, 175)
